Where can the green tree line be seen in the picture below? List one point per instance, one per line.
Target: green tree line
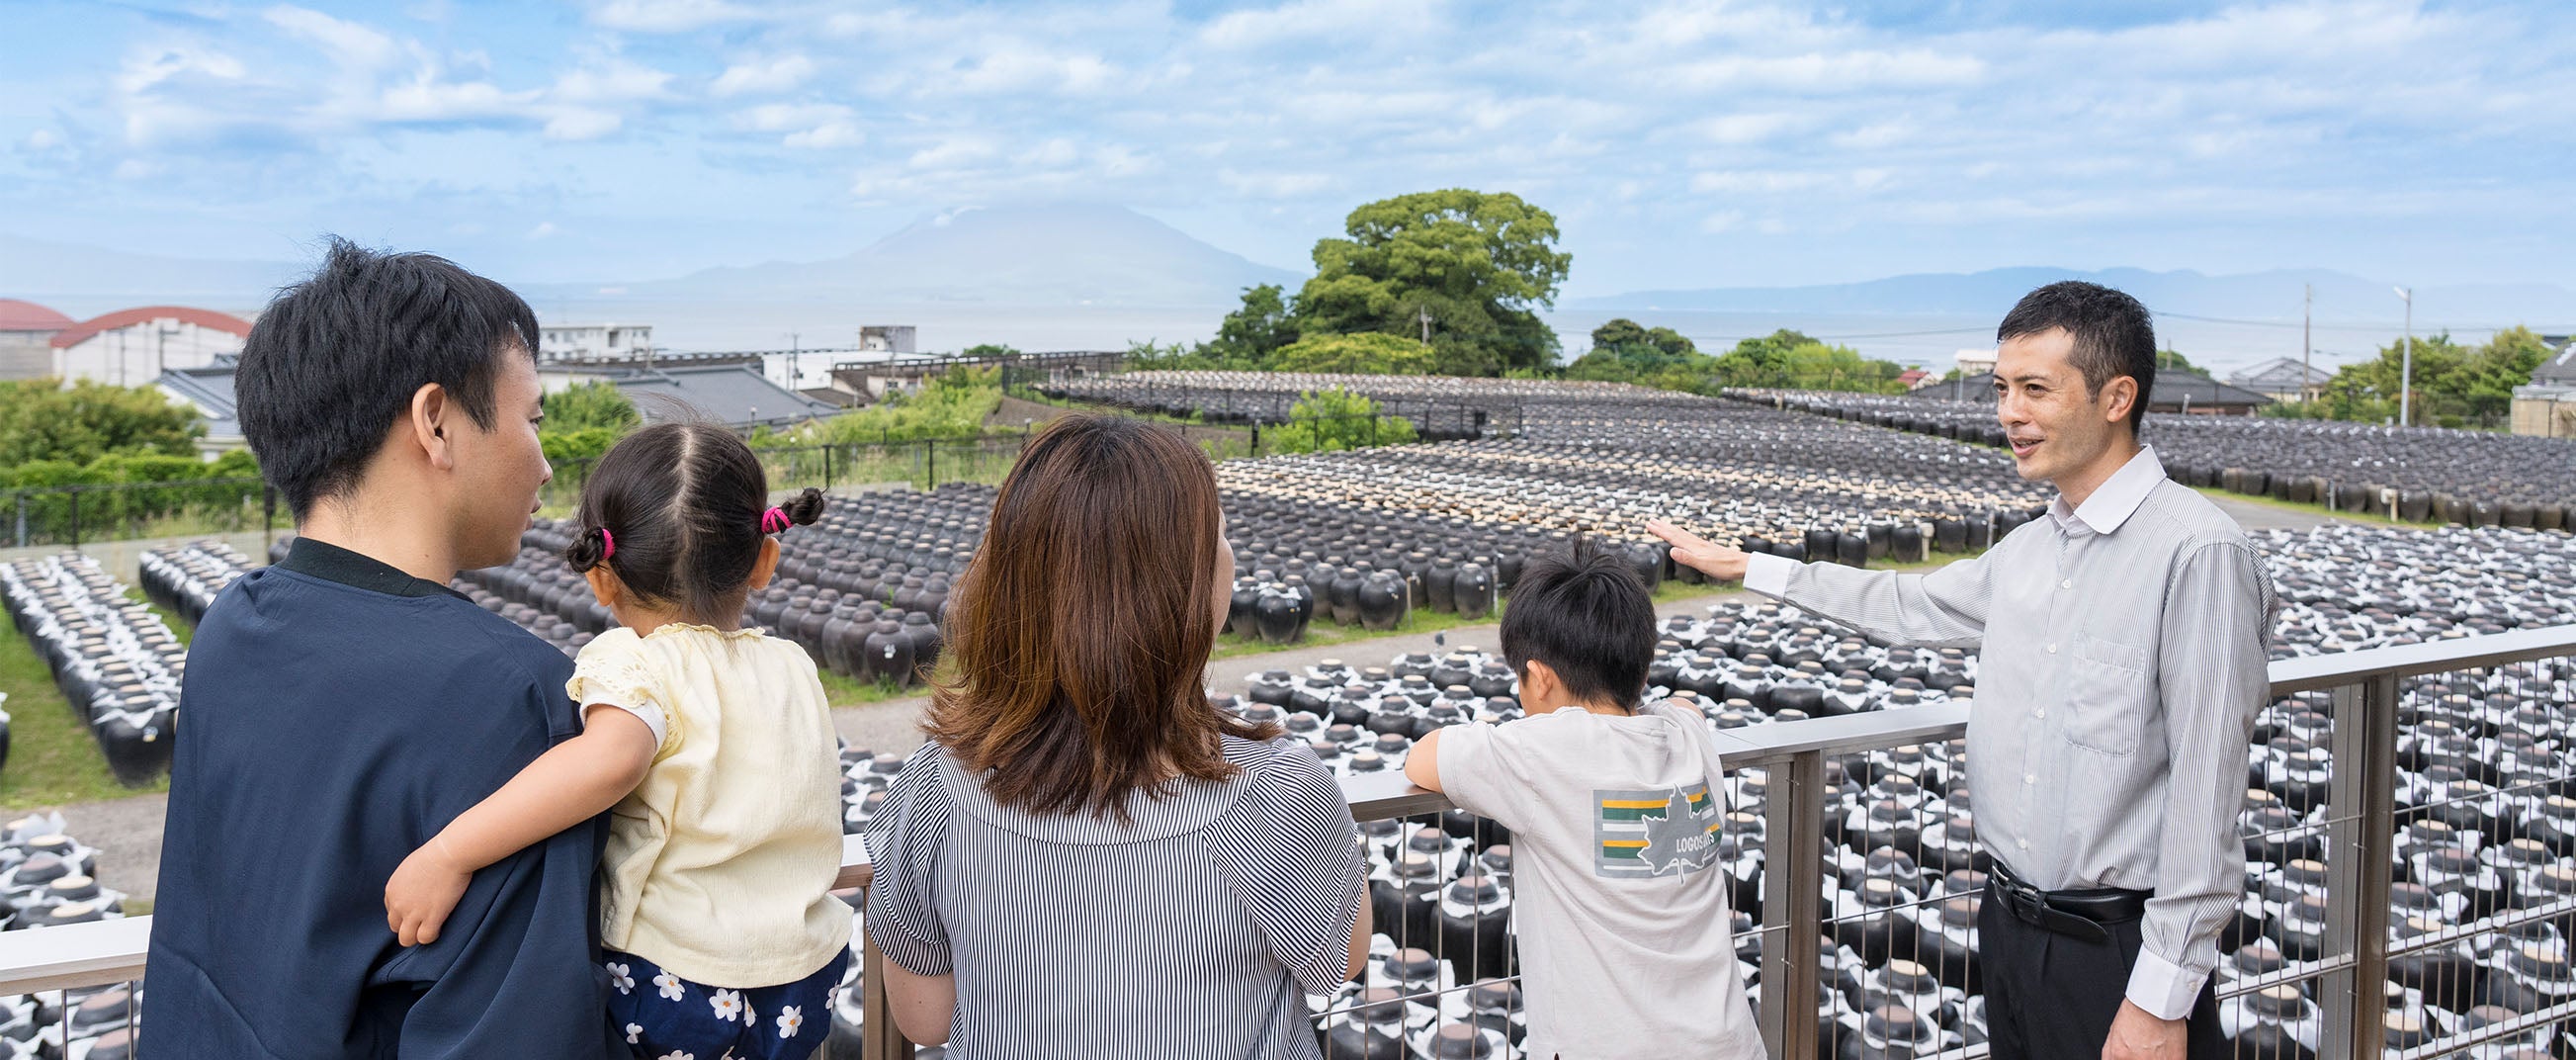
(2456, 383)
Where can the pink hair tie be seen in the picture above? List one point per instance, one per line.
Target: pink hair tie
(775, 521)
(607, 544)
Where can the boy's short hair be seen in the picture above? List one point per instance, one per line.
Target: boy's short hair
(1584, 612)
(335, 360)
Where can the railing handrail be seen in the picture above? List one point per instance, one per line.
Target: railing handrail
(113, 951)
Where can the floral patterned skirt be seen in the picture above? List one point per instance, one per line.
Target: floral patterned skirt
(665, 1017)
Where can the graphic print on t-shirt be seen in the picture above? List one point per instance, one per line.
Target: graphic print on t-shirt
(1654, 832)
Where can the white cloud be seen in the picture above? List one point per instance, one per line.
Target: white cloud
(542, 230)
(578, 123)
(346, 43)
(1278, 185)
(764, 76)
(611, 81)
(667, 16)
(827, 135)
(954, 152)
(42, 140)
(1308, 21)
(1733, 129)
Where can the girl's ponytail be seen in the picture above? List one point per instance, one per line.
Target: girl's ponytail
(588, 550)
(804, 508)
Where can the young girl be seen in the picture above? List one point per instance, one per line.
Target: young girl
(714, 747)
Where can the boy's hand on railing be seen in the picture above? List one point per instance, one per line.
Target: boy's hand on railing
(1722, 562)
(423, 890)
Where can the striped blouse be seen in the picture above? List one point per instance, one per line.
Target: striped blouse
(1193, 931)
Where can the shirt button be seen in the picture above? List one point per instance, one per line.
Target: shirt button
(2030, 778)
(2067, 584)
(2022, 843)
(2039, 713)
(2052, 649)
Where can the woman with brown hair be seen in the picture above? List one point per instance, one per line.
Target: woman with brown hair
(1087, 859)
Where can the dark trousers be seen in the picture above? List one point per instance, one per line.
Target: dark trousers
(2051, 997)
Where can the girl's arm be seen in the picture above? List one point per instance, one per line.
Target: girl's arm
(577, 780)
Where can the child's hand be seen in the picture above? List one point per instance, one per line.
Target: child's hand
(424, 889)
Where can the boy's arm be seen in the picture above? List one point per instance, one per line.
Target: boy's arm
(1422, 764)
(575, 781)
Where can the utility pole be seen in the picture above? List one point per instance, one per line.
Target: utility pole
(2307, 345)
(795, 381)
(2406, 370)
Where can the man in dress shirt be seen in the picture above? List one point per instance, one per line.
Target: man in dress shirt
(2124, 661)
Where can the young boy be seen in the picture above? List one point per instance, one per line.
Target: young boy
(1614, 808)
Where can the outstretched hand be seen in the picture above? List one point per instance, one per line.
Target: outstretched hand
(1722, 562)
(424, 890)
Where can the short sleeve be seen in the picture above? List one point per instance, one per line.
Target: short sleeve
(1481, 771)
(903, 843)
(612, 672)
(1294, 857)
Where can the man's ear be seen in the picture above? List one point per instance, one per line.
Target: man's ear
(431, 415)
(2118, 397)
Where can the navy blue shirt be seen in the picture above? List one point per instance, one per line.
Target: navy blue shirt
(338, 713)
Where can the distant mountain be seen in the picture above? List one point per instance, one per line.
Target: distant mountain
(1020, 255)
(2262, 295)
(83, 280)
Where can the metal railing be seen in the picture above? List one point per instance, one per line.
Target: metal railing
(1800, 765)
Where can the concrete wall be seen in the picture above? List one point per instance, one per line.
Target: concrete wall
(2546, 417)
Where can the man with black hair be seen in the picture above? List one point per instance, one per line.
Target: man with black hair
(344, 704)
(2124, 662)
(1613, 806)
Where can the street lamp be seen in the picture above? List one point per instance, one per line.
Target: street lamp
(2406, 378)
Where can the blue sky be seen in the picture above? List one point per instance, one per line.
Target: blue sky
(1679, 145)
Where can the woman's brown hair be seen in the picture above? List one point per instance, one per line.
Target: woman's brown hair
(1080, 634)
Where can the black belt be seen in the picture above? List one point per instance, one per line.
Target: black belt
(2074, 914)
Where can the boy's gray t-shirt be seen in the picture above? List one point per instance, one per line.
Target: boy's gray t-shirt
(1625, 945)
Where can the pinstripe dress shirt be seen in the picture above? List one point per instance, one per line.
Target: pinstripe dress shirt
(1193, 931)
(2123, 664)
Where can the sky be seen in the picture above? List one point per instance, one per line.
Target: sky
(1678, 145)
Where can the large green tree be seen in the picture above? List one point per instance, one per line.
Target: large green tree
(1248, 336)
(1470, 268)
(596, 404)
(1367, 353)
(2454, 382)
(40, 419)
(1797, 361)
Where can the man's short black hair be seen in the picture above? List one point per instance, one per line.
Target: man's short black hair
(1584, 612)
(334, 361)
(2113, 335)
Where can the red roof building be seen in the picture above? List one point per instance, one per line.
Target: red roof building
(132, 347)
(16, 315)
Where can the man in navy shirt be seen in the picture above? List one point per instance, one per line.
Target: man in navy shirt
(343, 705)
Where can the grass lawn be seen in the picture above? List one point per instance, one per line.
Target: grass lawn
(851, 692)
(53, 759)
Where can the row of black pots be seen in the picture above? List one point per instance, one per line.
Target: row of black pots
(116, 662)
(187, 578)
(2415, 474)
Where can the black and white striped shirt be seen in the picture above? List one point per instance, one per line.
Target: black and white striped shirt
(1193, 931)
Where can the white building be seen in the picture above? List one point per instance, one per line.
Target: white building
(594, 342)
(2284, 379)
(1977, 361)
(886, 338)
(132, 347)
(26, 329)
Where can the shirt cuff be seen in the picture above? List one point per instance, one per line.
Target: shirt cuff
(2162, 987)
(1768, 574)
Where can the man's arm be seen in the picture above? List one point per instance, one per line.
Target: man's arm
(1946, 608)
(2213, 675)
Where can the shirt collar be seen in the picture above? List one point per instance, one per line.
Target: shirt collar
(331, 563)
(2117, 498)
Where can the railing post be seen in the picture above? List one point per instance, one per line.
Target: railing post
(2361, 802)
(75, 493)
(878, 1036)
(930, 454)
(827, 467)
(1792, 905)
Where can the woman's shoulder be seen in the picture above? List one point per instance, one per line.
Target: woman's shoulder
(1285, 759)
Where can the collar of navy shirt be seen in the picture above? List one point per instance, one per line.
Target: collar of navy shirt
(2081, 914)
(331, 563)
